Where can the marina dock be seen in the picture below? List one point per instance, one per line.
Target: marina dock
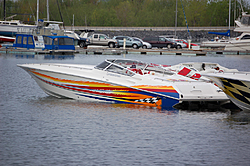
(142, 51)
(119, 51)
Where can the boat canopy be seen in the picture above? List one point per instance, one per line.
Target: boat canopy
(28, 41)
(59, 43)
(44, 42)
(221, 33)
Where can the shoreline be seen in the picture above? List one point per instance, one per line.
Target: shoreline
(198, 34)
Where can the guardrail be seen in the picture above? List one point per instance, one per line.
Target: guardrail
(147, 28)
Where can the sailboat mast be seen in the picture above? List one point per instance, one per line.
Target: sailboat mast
(185, 19)
(47, 10)
(4, 11)
(37, 12)
(60, 14)
(229, 14)
(175, 19)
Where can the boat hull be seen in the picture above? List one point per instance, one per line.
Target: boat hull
(6, 39)
(236, 86)
(11, 30)
(238, 46)
(80, 88)
(215, 44)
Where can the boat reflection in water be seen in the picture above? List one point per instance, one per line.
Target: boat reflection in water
(59, 57)
(23, 56)
(56, 103)
(47, 57)
(240, 118)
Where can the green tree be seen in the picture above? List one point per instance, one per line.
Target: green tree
(148, 13)
(125, 14)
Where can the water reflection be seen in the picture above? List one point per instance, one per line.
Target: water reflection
(40, 57)
(240, 118)
(59, 57)
(21, 56)
(51, 102)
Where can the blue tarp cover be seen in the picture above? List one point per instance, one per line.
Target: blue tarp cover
(221, 33)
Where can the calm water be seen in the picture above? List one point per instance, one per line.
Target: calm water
(36, 129)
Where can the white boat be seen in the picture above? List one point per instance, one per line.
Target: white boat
(243, 24)
(236, 85)
(10, 28)
(196, 70)
(203, 67)
(220, 43)
(122, 81)
(241, 43)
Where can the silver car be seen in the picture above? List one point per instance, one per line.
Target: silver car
(130, 42)
(183, 45)
(145, 45)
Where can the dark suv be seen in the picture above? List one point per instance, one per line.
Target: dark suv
(159, 42)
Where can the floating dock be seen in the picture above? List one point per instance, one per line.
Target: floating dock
(119, 51)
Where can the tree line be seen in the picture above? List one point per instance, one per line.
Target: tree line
(129, 13)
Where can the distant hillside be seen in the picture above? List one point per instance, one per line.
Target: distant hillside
(127, 13)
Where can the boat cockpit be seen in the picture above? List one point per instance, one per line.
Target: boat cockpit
(132, 67)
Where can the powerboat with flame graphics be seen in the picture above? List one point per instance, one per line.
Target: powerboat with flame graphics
(122, 81)
(236, 85)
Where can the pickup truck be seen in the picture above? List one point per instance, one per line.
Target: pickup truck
(102, 40)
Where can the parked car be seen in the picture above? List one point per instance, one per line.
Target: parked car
(159, 42)
(130, 42)
(145, 45)
(102, 40)
(186, 42)
(178, 45)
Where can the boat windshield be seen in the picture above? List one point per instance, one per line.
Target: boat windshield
(111, 66)
(103, 65)
(245, 20)
(122, 66)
